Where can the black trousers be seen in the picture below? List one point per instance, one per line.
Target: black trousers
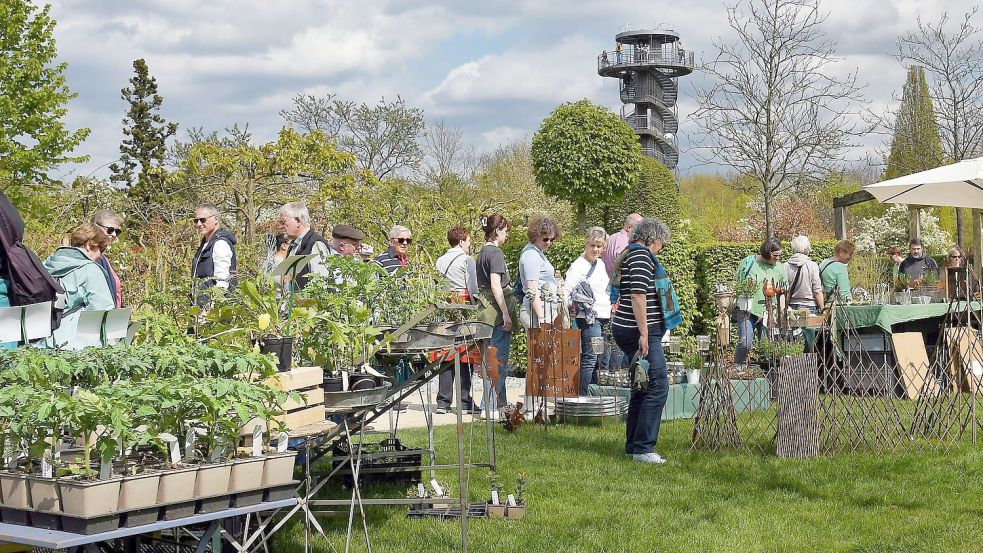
(445, 385)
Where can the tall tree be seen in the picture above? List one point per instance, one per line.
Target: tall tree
(384, 137)
(585, 154)
(654, 195)
(777, 112)
(952, 55)
(916, 145)
(142, 152)
(33, 96)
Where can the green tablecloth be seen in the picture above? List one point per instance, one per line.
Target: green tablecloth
(885, 316)
(684, 399)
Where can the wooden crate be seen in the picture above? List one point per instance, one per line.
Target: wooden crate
(298, 378)
(315, 397)
(300, 417)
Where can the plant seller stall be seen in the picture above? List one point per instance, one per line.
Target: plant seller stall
(120, 441)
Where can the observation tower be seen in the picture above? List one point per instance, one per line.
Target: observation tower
(648, 64)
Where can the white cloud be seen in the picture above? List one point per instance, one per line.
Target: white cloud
(500, 136)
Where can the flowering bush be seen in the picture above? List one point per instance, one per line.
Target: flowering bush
(891, 229)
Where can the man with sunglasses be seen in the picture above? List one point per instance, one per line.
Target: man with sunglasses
(214, 263)
(111, 224)
(397, 256)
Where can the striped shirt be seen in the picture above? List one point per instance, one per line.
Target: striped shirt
(637, 277)
(390, 261)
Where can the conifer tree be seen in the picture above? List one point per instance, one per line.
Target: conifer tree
(916, 145)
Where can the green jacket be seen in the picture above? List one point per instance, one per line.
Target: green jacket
(834, 274)
(85, 284)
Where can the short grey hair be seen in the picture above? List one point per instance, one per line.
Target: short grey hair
(397, 230)
(595, 234)
(633, 219)
(210, 208)
(801, 244)
(298, 210)
(650, 230)
(105, 216)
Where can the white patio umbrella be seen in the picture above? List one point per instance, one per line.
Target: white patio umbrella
(956, 185)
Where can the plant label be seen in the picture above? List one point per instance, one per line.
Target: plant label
(218, 452)
(495, 500)
(190, 439)
(282, 442)
(46, 470)
(257, 440)
(420, 490)
(436, 487)
(106, 467)
(172, 447)
(512, 502)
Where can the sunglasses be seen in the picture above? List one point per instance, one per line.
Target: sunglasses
(548, 240)
(115, 231)
(404, 240)
(202, 219)
(955, 256)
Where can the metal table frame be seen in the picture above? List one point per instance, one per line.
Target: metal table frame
(55, 539)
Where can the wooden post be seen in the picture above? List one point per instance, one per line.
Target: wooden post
(839, 222)
(914, 223)
(977, 240)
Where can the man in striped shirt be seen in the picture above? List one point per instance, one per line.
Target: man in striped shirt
(637, 328)
(397, 256)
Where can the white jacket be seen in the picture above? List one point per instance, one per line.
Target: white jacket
(598, 284)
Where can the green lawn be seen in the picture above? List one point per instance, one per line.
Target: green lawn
(584, 495)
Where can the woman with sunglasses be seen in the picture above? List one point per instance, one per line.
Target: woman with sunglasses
(75, 268)
(541, 300)
(765, 266)
(112, 225)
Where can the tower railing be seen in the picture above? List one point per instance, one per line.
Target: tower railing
(661, 57)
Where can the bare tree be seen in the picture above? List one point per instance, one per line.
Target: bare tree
(446, 154)
(384, 137)
(952, 54)
(777, 113)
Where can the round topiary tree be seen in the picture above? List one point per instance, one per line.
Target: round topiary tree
(585, 154)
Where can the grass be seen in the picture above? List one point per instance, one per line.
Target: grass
(584, 495)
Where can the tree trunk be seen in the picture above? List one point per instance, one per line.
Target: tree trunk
(582, 217)
(959, 227)
(769, 217)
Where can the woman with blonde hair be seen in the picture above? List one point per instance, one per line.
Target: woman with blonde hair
(84, 281)
(586, 288)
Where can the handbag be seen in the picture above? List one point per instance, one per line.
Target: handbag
(639, 373)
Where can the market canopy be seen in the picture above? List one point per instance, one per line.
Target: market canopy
(956, 185)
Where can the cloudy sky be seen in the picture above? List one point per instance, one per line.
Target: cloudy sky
(493, 68)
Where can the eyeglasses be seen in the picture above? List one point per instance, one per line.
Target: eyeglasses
(115, 231)
(547, 240)
(404, 240)
(777, 253)
(955, 256)
(202, 219)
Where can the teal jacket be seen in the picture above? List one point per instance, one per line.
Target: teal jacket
(5, 302)
(835, 276)
(85, 284)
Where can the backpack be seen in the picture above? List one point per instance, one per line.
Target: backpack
(668, 299)
(28, 282)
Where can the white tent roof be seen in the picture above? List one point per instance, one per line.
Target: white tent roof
(956, 185)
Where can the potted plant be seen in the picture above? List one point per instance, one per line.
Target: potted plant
(744, 291)
(518, 510)
(496, 506)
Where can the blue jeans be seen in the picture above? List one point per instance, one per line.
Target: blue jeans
(748, 329)
(500, 340)
(612, 358)
(588, 359)
(645, 408)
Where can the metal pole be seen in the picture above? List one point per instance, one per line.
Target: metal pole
(307, 481)
(461, 476)
(486, 401)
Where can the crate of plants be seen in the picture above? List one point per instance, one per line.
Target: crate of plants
(388, 462)
(803, 318)
(103, 438)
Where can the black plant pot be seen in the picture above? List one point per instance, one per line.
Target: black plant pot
(281, 348)
(358, 382)
(333, 384)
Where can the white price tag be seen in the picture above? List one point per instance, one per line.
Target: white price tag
(106, 467)
(282, 442)
(218, 452)
(495, 500)
(420, 490)
(512, 502)
(436, 487)
(257, 440)
(190, 440)
(172, 447)
(46, 469)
